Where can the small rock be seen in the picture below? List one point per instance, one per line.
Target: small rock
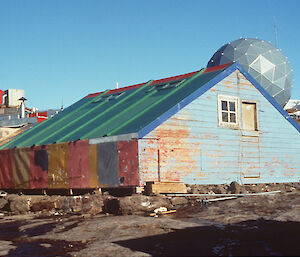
(3, 203)
(220, 189)
(234, 188)
(179, 201)
(140, 204)
(189, 190)
(44, 205)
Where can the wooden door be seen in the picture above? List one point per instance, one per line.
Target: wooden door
(250, 146)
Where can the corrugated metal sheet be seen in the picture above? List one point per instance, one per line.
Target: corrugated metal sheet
(21, 169)
(114, 112)
(108, 164)
(79, 164)
(39, 167)
(6, 167)
(128, 163)
(58, 166)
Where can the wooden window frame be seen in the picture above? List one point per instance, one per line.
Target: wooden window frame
(228, 99)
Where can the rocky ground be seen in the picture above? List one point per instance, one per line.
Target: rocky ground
(101, 224)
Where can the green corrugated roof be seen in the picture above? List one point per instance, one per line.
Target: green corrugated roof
(115, 112)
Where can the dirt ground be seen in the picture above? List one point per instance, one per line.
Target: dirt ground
(251, 226)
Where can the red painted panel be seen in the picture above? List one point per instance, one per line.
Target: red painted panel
(1, 96)
(39, 167)
(128, 163)
(79, 164)
(6, 168)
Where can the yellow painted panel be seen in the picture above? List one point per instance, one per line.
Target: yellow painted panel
(58, 165)
(21, 168)
(93, 166)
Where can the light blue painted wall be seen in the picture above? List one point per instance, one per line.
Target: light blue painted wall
(193, 148)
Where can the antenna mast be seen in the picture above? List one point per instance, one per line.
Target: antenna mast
(275, 33)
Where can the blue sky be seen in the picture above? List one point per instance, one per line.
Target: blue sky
(62, 50)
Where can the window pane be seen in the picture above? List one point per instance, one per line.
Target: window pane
(224, 105)
(232, 117)
(224, 116)
(232, 106)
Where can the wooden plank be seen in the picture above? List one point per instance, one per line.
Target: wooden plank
(164, 188)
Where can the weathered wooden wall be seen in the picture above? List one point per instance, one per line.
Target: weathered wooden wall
(192, 147)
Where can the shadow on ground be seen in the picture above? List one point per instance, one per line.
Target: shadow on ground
(26, 244)
(250, 238)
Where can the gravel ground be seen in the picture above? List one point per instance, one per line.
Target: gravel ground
(252, 226)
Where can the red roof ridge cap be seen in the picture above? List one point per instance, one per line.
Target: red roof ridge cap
(158, 81)
(163, 80)
(219, 67)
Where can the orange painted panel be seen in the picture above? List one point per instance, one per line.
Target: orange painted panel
(39, 167)
(21, 169)
(6, 167)
(58, 165)
(79, 165)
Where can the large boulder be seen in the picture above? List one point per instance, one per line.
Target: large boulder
(236, 188)
(137, 204)
(92, 203)
(19, 204)
(46, 203)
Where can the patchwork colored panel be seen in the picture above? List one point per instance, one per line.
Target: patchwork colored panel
(128, 163)
(58, 165)
(108, 164)
(21, 169)
(6, 168)
(39, 167)
(79, 167)
(93, 166)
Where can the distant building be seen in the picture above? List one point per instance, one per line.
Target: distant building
(293, 109)
(14, 115)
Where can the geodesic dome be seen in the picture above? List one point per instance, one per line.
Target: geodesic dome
(264, 62)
